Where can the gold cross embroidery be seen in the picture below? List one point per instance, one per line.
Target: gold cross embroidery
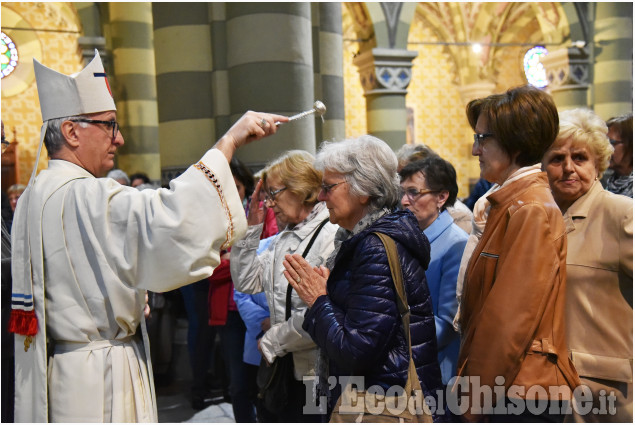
(27, 342)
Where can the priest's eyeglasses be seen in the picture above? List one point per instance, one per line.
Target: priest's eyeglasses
(113, 124)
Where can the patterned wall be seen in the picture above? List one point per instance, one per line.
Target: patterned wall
(59, 52)
(354, 100)
(439, 114)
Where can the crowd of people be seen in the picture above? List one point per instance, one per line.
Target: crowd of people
(351, 272)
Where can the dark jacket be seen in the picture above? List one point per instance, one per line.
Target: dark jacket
(358, 324)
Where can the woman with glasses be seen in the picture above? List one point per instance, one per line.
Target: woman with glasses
(513, 301)
(599, 264)
(428, 188)
(619, 177)
(290, 185)
(353, 313)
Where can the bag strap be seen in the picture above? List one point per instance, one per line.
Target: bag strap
(402, 303)
(287, 307)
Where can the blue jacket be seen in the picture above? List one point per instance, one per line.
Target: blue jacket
(358, 324)
(447, 242)
(253, 309)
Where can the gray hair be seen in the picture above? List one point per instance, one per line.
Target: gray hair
(54, 138)
(369, 167)
(118, 174)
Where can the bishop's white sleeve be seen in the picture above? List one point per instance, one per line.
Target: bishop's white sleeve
(163, 239)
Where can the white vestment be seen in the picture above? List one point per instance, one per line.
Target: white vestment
(97, 246)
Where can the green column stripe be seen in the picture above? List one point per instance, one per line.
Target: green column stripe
(235, 10)
(275, 85)
(145, 139)
(184, 95)
(190, 42)
(219, 45)
(332, 91)
(619, 48)
(569, 99)
(615, 91)
(611, 9)
(169, 14)
(131, 34)
(290, 43)
(317, 48)
(138, 86)
(220, 84)
(331, 17)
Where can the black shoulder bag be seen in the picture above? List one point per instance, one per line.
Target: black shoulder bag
(274, 380)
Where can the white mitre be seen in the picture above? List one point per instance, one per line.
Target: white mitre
(85, 92)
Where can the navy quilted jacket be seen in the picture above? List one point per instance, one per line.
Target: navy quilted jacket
(358, 324)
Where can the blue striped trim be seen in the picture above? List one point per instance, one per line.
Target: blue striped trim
(22, 301)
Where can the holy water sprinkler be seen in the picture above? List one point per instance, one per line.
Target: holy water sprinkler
(318, 108)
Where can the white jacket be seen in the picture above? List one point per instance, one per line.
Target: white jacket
(253, 273)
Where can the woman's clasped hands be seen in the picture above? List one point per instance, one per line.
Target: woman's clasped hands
(308, 281)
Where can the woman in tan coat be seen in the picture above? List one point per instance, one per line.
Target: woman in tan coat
(599, 313)
(512, 307)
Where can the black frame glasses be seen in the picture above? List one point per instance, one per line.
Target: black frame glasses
(114, 124)
(271, 196)
(479, 138)
(326, 188)
(413, 194)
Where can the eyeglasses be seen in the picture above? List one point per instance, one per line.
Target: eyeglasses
(271, 196)
(5, 144)
(326, 188)
(114, 124)
(479, 138)
(413, 194)
(615, 142)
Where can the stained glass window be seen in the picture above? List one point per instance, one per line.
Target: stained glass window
(534, 70)
(8, 54)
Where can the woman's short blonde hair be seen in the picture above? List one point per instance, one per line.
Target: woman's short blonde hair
(584, 127)
(295, 169)
(16, 188)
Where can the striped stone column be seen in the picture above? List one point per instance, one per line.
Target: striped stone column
(184, 84)
(568, 72)
(328, 66)
(135, 87)
(613, 70)
(385, 75)
(220, 82)
(270, 68)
